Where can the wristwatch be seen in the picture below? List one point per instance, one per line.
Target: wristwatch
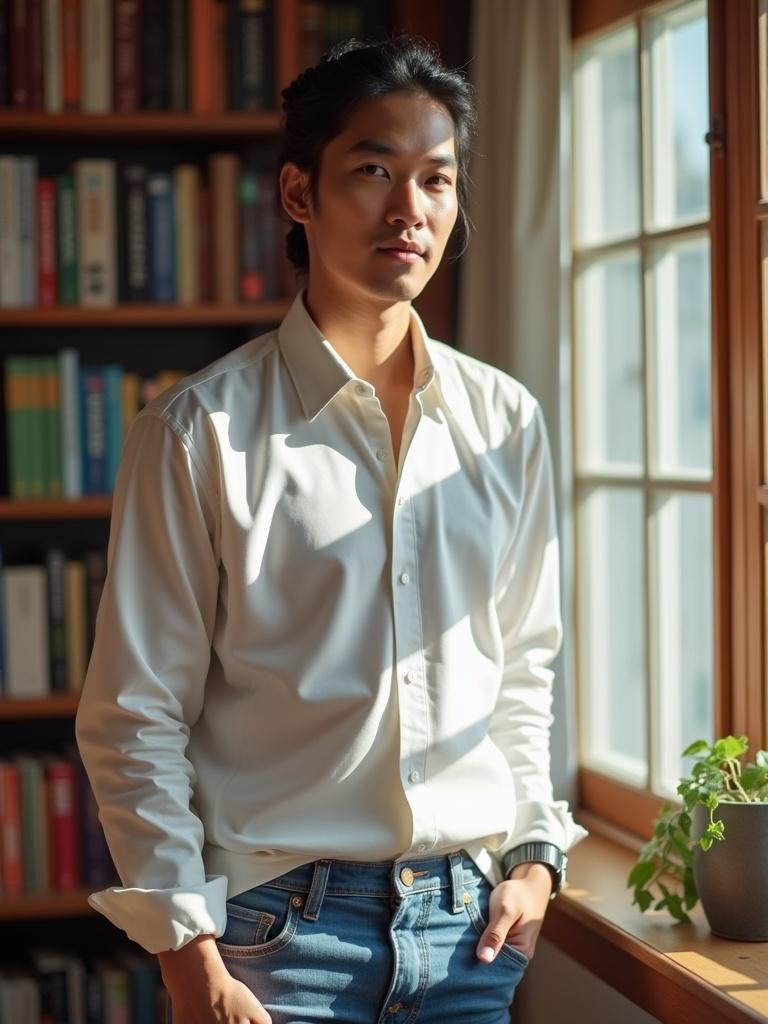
(539, 853)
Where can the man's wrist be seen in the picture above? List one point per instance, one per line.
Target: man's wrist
(540, 875)
(200, 954)
(537, 852)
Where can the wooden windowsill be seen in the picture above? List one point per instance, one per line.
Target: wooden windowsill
(678, 973)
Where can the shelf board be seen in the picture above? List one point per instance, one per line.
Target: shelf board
(56, 508)
(50, 904)
(149, 126)
(149, 314)
(62, 705)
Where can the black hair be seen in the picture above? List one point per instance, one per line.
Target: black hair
(317, 104)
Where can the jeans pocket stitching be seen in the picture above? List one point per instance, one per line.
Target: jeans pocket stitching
(274, 945)
(510, 952)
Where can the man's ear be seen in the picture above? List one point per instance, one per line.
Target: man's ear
(295, 193)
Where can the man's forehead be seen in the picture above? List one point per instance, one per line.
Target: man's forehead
(389, 147)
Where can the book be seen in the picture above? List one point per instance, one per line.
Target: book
(126, 89)
(187, 198)
(69, 422)
(35, 54)
(10, 231)
(34, 828)
(96, 56)
(46, 242)
(97, 270)
(27, 253)
(18, 48)
(178, 91)
(223, 175)
(134, 259)
(70, 48)
(76, 624)
(62, 818)
(250, 62)
(155, 64)
(66, 239)
(26, 631)
(11, 864)
(53, 57)
(93, 430)
(55, 564)
(161, 250)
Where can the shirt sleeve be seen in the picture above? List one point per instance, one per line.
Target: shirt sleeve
(528, 606)
(144, 689)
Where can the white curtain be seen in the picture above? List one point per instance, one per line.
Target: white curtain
(515, 278)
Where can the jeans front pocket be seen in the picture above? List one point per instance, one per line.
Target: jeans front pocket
(477, 908)
(260, 922)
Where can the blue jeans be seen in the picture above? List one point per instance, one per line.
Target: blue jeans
(371, 943)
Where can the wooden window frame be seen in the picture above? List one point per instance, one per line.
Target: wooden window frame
(740, 496)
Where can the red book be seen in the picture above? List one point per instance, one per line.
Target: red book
(10, 830)
(46, 242)
(36, 54)
(202, 49)
(18, 52)
(70, 44)
(204, 244)
(127, 55)
(62, 818)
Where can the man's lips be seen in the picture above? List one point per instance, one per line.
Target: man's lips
(401, 255)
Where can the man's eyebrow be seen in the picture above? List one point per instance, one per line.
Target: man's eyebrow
(377, 146)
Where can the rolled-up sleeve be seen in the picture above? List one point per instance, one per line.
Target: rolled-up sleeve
(528, 607)
(144, 688)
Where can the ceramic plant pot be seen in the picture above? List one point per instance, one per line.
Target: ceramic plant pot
(732, 876)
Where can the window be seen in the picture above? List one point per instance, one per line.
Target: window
(670, 608)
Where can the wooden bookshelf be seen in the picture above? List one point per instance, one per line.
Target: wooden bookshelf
(149, 314)
(92, 507)
(37, 124)
(61, 705)
(31, 906)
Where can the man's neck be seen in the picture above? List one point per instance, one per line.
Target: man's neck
(373, 341)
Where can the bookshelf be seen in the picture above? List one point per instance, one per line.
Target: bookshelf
(147, 336)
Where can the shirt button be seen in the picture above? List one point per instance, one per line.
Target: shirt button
(381, 454)
(413, 775)
(360, 389)
(404, 578)
(409, 677)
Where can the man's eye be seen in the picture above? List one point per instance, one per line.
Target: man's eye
(368, 167)
(441, 180)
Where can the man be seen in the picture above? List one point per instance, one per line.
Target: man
(317, 712)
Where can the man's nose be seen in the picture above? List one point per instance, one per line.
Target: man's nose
(406, 204)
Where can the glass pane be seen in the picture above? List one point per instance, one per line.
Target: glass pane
(606, 113)
(681, 418)
(612, 631)
(609, 365)
(679, 112)
(684, 628)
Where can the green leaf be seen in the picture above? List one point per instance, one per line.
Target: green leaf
(730, 746)
(643, 899)
(697, 747)
(705, 842)
(641, 873)
(762, 758)
(690, 893)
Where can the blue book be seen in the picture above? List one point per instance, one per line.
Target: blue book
(113, 398)
(161, 231)
(93, 430)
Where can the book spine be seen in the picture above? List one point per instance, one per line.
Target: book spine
(15, 396)
(96, 61)
(69, 422)
(155, 43)
(77, 651)
(53, 53)
(113, 391)
(30, 774)
(66, 239)
(97, 265)
(11, 863)
(251, 279)
(161, 237)
(26, 640)
(28, 229)
(35, 40)
(18, 38)
(70, 56)
(204, 247)
(55, 561)
(133, 213)
(46, 242)
(10, 228)
(201, 56)
(179, 48)
(52, 412)
(36, 426)
(62, 806)
(97, 866)
(223, 174)
(5, 71)
(186, 192)
(95, 561)
(250, 50)
(127, 55)
(93, 429)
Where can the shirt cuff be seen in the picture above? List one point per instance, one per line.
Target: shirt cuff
(160, 919)
(545, 823)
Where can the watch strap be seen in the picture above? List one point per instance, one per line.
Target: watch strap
(538, 852)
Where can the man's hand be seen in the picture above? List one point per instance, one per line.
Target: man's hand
(203, 991)
(516, 911)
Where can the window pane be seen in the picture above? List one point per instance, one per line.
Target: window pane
(684, 628)
(606, 146)
(681, 344)
(609, 365)
(679, 112)
(612, 631)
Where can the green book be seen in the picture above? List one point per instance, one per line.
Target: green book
(33, 831)
(66, 239)
(51, 431)
(36, 425)
(17, 426)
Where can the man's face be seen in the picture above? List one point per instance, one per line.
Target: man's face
(387, 179)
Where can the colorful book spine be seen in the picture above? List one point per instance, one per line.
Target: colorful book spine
(161, 237)
(35, 54)
(46, 242)
(28, 229)
(93, 430)
(62, 812)
(113, 402)
(11, 863)
(127, 56)
(95, 187)
(77, 627)
(70, 59)
(66, 239)
(96, 57)
(10, 231)
(19, 54)
(134, 265)
(51, 412)
(55, 564)
(53, 71)
(187, 199)
(26, 631)
(69, 422)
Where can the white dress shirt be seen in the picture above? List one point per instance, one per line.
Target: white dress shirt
(306, 650)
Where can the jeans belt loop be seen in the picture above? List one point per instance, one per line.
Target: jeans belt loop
(317, 890)
(457, 881)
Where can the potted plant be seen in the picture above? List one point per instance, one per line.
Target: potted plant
(686, 857)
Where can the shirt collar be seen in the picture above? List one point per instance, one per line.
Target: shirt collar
(319, 372)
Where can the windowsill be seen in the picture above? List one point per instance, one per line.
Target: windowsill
(678, 973)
